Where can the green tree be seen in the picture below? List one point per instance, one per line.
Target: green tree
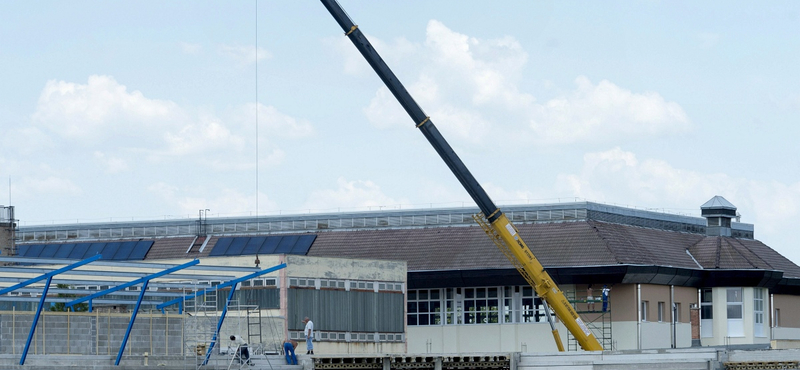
(61, 306)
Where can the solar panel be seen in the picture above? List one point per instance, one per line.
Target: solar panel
(286, 244)
(23, 250)
(140, 249)
(79, 251)
(124, 251)
(64, 251)
(277, 244)
(118, 251)
(253, 245)
(35, 250)
(49, 250)
(94, 248)
(303, 244)
(221, 247)
(236, 247)
(270, 245)
(110, 250)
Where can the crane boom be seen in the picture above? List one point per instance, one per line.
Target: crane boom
(496, 224)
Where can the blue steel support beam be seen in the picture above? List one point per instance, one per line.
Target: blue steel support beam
(130, 324)
(132, 283)
(50, 274)
(220, 286)
(35, 321)
(219, 324)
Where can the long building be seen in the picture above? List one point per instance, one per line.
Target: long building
(673, 281)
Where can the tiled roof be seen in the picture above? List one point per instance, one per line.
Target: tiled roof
(719, 252)
(169, 248)
(579, 243)
(562, 244)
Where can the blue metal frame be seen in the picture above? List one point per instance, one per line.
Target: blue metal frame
(130, 324)
(144, 281)
(219, 325)
(220, 286)
(232, 284)
(228, 301)
(49, 277)
(50, 274)
(130, 283)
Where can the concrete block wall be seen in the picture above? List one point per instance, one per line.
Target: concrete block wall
(91, 333)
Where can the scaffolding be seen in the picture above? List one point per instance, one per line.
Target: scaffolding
(200, 324)
(597, 320)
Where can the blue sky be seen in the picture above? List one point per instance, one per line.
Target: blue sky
(146, 109)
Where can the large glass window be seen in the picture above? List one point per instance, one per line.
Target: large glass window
(706, 313)
(481, 305)
(532, 306)
(424, 307)
(735, 312)
(484, 305)
(758, 312)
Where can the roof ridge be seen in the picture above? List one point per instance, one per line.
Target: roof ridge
(605, 241)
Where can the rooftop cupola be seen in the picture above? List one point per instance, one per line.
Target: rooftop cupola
(719, 212)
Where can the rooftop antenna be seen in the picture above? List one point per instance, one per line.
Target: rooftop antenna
(256, 46)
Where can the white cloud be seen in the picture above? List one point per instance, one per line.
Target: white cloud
(101, 106)
(617, 175)
(125, 126)
(244, 54)
(605, 111)
(470, 86)
(221, 202)
(358, 194)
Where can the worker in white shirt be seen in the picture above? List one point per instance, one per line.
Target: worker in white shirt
(244, 353)
(309, 333)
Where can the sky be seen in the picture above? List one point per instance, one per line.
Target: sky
(147, 110)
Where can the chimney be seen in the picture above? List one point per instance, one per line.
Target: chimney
(718, 213)
(7, 227)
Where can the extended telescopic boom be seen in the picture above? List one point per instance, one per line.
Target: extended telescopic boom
(500, 229)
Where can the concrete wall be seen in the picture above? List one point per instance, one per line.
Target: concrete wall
(345, 268)
(90, 333)
(655, 335)
(781, 333)
(527, 337)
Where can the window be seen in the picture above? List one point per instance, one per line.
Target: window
(706, 313)
(484, 305)
(424, 307)
(481, 305)
(452, 306)
(677, 312)
(660, 311)
(777, 317)
(758, 312)
(734, 311)
(644, 310)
